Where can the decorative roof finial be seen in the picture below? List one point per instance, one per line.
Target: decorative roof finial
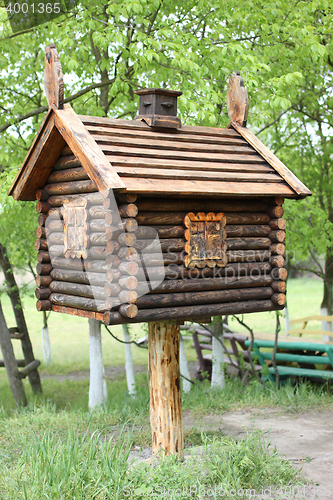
(53, 81)
(237, 100)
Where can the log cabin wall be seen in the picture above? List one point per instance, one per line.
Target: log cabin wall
(253, 279)
(111, 284)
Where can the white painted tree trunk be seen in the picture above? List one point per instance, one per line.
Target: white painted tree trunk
(129, 363)
(97, 387)
(218, 355)
(286, 319)
(46, 345)
(326, 326)
(183, 366)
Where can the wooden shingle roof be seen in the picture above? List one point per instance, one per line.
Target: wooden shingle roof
(130, 156)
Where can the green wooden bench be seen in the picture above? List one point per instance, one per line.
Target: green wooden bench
(302, 353)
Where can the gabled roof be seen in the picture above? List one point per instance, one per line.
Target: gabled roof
(130, 156)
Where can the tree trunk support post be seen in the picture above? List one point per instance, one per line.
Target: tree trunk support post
(164, 388)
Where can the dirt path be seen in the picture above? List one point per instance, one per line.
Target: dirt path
(305, 439)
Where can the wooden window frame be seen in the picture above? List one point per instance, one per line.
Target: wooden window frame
(79, 207)
(212, 227)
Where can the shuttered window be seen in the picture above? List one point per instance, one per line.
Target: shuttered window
(205, 240)
(75, 227)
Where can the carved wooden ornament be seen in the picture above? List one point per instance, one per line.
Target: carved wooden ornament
(237, 100)
(75, 227)
(53, 80)
(205, 240)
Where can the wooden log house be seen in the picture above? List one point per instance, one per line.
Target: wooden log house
(204, 205)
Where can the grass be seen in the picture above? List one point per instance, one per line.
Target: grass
(55, 449)
(74, 455)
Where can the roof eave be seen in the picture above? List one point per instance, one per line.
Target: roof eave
(301, 191)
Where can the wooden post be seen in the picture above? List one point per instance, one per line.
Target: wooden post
(164, 387)
(15, 383)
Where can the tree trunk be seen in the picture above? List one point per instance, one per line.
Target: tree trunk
(326, 308)
(129, 363)
(46, 341)
(218, 354)
(183, 366)
(97, 387)
(164, 388)
(286, 319)
(13, 293)
(15, 383)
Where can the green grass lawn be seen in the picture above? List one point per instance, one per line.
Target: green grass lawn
(56, 449)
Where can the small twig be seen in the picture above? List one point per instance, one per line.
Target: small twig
(249, 349)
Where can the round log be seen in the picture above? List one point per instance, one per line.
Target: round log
(43, 269)
(43, 257)
(130, 268)
(97, 239)
(113, 275)
(278, 236)
(277, 261)
(42, 195)
(279, 299)
(69, 161)
(130, 225)
(239, 269)
(128, 310)
(279, 273)
(66, 151)
(203, 297)
(247, 230)
(78, 289)
(188, 312)
(279, 286)
(77, 277)
(164, 388)
(112, 246)
(95, 252)
(98, 212)
(42, 293)
(128, 210)
(112, 261)
(59, 200)
(279, 200)
(77, 264)
(248, 255)
(42, 207)
(278, 224)
(112, 289)
(77, 302)
(75, 187)
(56, 238)
(128, 253)
(41, 232)
(112, 303)
(248, 243)
(126, 198)
(193, 285)
(43, 281)
(108, 217)
(275, 212)
(43, 305)
(42, 218)
(174, 218)
(68, 175)
(278, 249)
(55, 213)
(41, 244)
(129, 296)
(128, 282)
(128, 239)
(97, 225)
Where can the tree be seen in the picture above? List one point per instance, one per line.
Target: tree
(284, 50)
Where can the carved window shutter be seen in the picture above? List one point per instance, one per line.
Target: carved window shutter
(75, 227)
(205, 237)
